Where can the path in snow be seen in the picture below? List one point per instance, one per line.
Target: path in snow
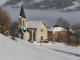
(70, 53)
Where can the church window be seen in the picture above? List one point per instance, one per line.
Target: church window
(20, 22)
(23, 23)
(41, 30)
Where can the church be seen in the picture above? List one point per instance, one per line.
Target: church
(31, 30)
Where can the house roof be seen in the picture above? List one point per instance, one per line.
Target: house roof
(50, 29)
(33, 24)
(57, 29)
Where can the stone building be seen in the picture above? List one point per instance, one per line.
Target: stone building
(57, 34)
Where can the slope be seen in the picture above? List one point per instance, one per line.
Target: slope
(22, 50)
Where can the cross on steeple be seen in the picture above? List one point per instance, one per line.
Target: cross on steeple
(22, 14)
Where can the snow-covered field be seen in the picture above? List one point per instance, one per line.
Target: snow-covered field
(23, 50)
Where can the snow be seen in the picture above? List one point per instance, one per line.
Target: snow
(19, 4)
(56, 29)
(37, 1)
(72, 31)
(59, 29)
(33, 24)
(60, 50)
(74, 6)
(23, 50)
(50, 29)
(2, 1)
(19, 17)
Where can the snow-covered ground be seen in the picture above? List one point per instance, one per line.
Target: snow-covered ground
(60, 50)
(72, 7)
(23, 50)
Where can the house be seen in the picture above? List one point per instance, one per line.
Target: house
(31, 30)
(56, 34)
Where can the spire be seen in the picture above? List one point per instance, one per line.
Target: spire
(22, 14)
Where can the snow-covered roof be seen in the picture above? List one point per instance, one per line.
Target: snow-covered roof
(50, 29)
(33, 24)
(59, 29)
(19, 17)
(56, 29)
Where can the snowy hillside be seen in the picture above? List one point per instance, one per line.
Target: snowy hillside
(2, 1)
(40, 4)
(73, 7)
(23, 50)
(37, 1)
(11, 50)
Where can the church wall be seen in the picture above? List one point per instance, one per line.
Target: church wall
(22, 22)
(26, 36)
(41, 33)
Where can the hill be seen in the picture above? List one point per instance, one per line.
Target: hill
(40, 4)
(23, 50)
(3, 1)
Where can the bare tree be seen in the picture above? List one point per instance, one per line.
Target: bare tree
(65, 24)
(5, 20)
(62, 23)
(76, 27)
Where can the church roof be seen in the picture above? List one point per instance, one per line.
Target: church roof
(33, 24)
(22, 14)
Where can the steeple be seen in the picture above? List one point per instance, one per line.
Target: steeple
(22, 14)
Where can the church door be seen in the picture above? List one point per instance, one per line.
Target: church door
(41, 38)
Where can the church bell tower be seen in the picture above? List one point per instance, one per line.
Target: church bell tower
(22, 18)
(22, 27)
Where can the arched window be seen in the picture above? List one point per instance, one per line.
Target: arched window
(23, 23)
(20, 22)
(41, 30)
